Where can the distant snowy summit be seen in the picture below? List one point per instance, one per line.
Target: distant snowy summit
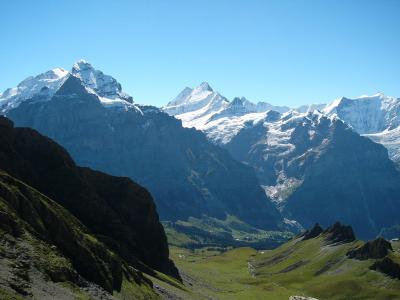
(209, 111)
(367, 114)
(43, 86)
(376, 117)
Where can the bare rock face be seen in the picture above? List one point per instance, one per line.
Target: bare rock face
(315, 231)
(375, 249)
(339, 233)
(318, 169)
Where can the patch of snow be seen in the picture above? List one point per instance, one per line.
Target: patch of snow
(284, 187)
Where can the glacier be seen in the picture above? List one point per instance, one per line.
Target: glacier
(376, 117)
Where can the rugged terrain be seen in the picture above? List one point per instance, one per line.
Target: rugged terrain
(68, 230)
(317, 169)
(186, 174)
(311, 161)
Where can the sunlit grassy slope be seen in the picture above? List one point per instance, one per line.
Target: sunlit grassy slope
(309, 268)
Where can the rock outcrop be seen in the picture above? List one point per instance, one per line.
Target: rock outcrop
(375, 249)
(315, 231)
(338, 233)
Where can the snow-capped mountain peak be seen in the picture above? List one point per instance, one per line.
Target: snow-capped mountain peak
(376, 117)
(204, 86)
(81, 64)
(31, 86)
(366, 114)
(207, 110)
(198, 101)
(46, 84)
(103, 85)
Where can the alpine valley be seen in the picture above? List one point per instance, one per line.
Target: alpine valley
(104, 198)
(317, 163)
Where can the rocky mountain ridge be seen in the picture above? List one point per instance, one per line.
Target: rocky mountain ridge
(186, 174)
(376, 116)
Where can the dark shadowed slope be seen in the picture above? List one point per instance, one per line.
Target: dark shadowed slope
(119, 212)
(46, 253)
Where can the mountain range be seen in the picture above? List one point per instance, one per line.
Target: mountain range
(376, 117)
(202, 155)
(88, 113)
(315, 162)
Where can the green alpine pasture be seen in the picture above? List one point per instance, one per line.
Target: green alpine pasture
(305, 268)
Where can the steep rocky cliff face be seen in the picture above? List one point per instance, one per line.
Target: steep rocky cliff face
(186, 174)
(120, 213)
(318, 170)
(45, 252)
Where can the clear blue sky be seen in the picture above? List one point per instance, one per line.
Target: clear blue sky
(284, 52)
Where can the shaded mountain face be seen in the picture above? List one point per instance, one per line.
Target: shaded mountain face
(186, 174)
(318, 170)
(120, 213)
(47, 253)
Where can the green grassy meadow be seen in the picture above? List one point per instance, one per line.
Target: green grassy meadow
(306, 268)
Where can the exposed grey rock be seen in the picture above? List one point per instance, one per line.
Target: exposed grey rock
(319, 170)
(186, 174)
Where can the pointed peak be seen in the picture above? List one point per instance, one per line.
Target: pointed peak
(315, 231)
(204, 86)
(239, 101)
(339, 233)
(81, 64)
